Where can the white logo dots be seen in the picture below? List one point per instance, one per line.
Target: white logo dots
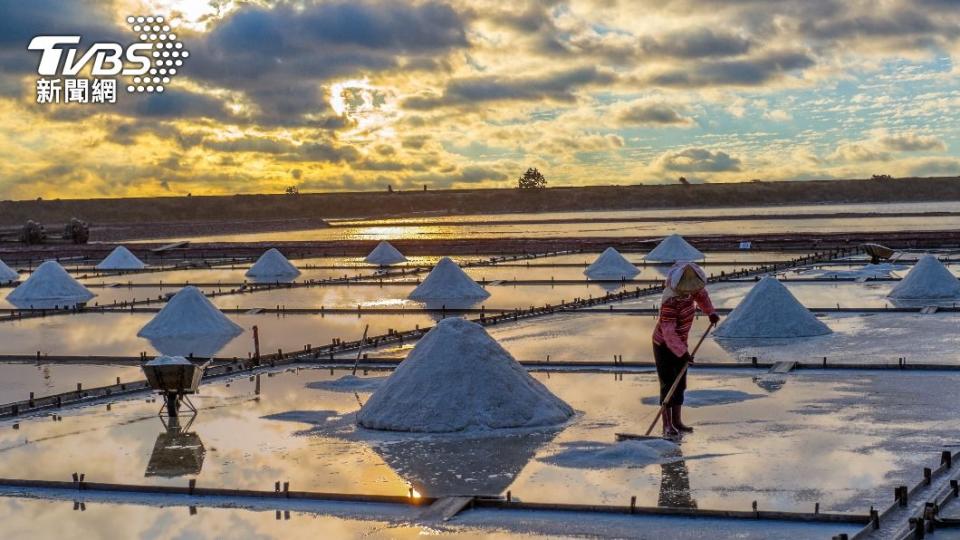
(168, 53)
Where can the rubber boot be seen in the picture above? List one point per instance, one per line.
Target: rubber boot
(678, 420)
(669, 430)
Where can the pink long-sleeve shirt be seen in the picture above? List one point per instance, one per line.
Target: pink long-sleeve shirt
(676, 319)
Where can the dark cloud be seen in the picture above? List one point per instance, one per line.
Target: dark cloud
(557, 86)
(696, 43)
(741, 72)
(911, 142)
(279, 57)
(698, 160)
(652, 114)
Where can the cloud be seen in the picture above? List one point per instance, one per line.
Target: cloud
(556, 86)
(696, 43)
(697, 160)
(911, 142)
(778, 115)
(753, 71)
(647, 113)
(278, 56)
(882, 146)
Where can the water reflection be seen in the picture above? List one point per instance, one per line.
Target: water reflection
(177, 451)
(675, 485)
(484, 465)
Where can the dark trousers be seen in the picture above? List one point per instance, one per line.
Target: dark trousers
(669, 366)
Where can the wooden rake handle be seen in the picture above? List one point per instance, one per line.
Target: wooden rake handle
(676, 382)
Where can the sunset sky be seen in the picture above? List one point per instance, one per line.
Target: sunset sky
(357, 95)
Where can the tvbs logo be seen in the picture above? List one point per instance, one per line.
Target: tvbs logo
(108, 58)
(149, 63)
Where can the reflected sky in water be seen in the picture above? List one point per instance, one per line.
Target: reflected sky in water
(836, 438)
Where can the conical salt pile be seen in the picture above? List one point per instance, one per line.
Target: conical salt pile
(272, 264)
(47, 286)
(770, 311)
(458, 378)
(448, 281)
(611, 265)
(672, 249)
(929, 278)
(385, 255)
(7, 274)
(189, 314)
(121, 259)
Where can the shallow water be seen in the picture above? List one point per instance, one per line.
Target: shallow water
(803, 443)
(490, 226)
(109, 519)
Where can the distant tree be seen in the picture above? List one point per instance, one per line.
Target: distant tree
(882, 177)
(424, 187)
(292, 190)
(683, 180)
(532, 179)
(389, 188)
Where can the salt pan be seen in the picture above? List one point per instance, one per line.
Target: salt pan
(770, 311)
(272, 264)
(929, 278)
(611, 265)
(458, 378)
(189, 314)
(448, 281)
(121, 259)
(672, 249)
(49, 284)
(385, 255)
(7, 274)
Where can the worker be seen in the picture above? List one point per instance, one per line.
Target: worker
(684, 291)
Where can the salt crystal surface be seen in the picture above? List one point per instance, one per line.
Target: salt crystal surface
(672, 249)
(611, 265)
(448, 281)
(120, 259)
(169, 361)
(189, 314)
(272, 264)
(7, 274)
(385, 254)
(458, 378)
(49, 283)
(770, 311)
(929, 278)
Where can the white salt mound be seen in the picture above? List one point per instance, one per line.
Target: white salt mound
(770, 311)
(385, 255)
(169, 361)
(611, 265)
(458, 378)
(448, 281)
(672, 249)
(627, 453)
(189, 314)
(121, 259)
(272, 264)
(7, 274)
(50, 283)
(929, 278)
